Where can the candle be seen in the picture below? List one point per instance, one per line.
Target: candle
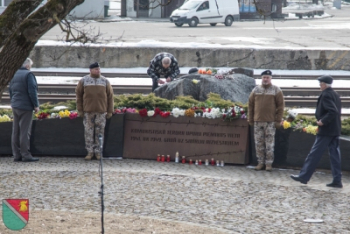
(217, 163)
(168, 158)
(158, 158)
(190, 161)
(183, 159)
(177, 157)
(212, 162)
(200, 162)
(196, 162)
(207, 162)
(222, 163)
(163, 158)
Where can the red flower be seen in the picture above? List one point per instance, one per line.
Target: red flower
(73, 115)
(224, 116)
(233, 114)
(43, 115)
(157, 111)
(116, 111)
(209, 109)
(242, 112)
(143, 112)
(164, 114)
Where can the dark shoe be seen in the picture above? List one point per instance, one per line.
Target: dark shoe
(297, 178)
(30, 159)
(335, 185)
(17, 160)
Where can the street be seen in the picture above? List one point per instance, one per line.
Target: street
(327, 33)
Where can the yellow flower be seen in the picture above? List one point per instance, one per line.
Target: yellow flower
(64, 114)
(4, 118)
(286, 124)
(311, 129)
(194, 81)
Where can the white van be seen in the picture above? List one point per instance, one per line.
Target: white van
(211, 12)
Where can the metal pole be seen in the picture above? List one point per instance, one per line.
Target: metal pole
(101, 174)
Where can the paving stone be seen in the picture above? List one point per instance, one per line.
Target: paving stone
(237, 199)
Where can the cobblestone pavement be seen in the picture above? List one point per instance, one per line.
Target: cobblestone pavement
(230, 199)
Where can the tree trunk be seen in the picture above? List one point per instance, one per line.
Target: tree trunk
(22, 41)
(13, 16)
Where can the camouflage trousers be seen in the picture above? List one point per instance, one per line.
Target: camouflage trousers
(264, 134)
(94, 124)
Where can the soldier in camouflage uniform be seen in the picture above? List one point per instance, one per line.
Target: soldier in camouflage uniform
(94, 103)
(265, 112)
(163, 64)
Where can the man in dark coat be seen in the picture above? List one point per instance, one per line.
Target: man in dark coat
(24, 100)
(163, 64)
(328, 115)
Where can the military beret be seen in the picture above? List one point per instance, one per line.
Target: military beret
(266, 73)
(193, 70)
(325, 79)
(93, 65)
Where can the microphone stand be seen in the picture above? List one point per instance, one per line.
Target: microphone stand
(101, 174)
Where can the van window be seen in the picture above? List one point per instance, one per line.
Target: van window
(203, 6)
(189, 5)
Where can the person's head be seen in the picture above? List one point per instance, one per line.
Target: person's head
(95, 70)
(325, 82)
(193, 71)
(27, 63)
(266, 77)
(166, 62)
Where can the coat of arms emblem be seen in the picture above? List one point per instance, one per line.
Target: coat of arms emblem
(15, 213)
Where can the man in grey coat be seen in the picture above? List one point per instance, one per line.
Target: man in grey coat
(24, 99)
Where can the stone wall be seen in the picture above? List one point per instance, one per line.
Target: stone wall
(126, 57)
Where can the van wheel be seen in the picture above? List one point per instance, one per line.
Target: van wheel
(213, 24)
(228, 21)
(193, 22)
(179, 24)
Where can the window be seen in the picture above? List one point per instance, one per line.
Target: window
(204, 6)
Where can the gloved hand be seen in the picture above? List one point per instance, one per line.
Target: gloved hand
(80, 113)
(109, 115)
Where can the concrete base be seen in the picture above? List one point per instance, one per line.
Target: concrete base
(126, 57)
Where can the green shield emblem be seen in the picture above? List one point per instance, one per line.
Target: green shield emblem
(15, 213)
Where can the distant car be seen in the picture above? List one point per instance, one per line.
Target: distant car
(194, 12)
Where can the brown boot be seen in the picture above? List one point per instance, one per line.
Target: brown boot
(259, 167)
(89, 156)
(98, 156)
(268, 167)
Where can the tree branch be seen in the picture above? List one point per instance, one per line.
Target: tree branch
(13, 16)
(24, 38)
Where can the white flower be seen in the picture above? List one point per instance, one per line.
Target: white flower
(150, 113)
(292, 113)
(176, 112)
(182, 112)
(53, 115)
(216, 113)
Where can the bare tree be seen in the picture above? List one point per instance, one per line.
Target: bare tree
(21, 28)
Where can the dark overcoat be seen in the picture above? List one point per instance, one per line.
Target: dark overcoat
(328, 110)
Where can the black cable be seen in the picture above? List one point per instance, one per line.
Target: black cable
(101, 174)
